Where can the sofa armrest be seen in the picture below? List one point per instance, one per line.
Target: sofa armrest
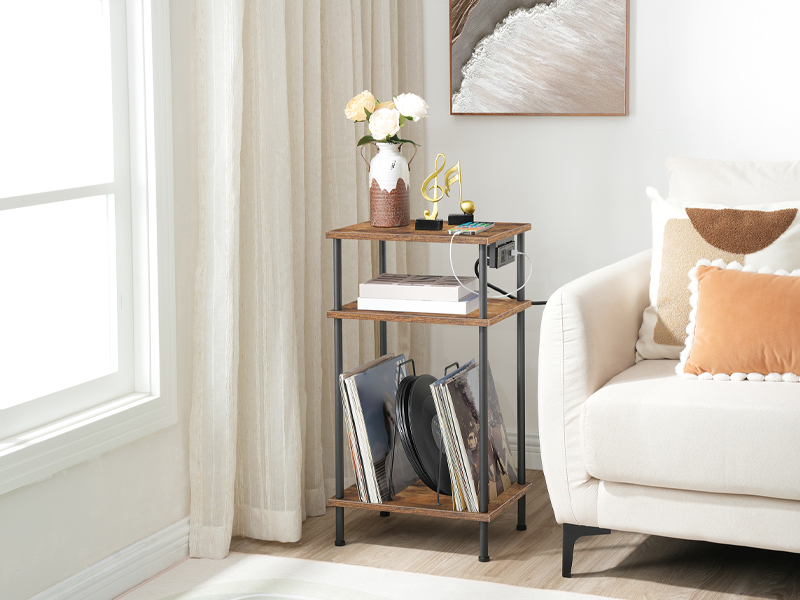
(589, 332)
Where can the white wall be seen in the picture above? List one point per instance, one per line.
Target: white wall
(716, 79)
(54, 529)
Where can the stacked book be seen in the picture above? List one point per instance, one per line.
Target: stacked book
(457, 406)
(368, 398)
(419, 294)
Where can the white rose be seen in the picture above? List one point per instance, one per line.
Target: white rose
(411, 105)
(384, 122)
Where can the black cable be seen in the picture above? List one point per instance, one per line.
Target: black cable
(502, 291)
(494, 287)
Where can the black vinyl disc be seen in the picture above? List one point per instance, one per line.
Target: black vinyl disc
(426, 437)
(403, 428)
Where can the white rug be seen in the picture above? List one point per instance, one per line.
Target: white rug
(253, 576)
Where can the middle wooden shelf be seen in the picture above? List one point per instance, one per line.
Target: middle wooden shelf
(497, 310)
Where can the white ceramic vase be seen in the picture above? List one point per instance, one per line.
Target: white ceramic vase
(389, 179)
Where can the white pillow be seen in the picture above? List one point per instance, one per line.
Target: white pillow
(733, 183)
(757, 235)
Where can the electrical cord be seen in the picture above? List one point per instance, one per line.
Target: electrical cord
(491, 285)
(495, 288)
(501, 290)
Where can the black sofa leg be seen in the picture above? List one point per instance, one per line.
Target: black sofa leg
(571, 535)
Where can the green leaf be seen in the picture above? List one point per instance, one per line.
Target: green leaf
(402, 120)
(399, 141)
(365, 140)
(366, 112)
(407, 118)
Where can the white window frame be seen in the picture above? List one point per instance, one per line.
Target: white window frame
(38, 453)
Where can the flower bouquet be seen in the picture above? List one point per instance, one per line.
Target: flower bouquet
(388, 170)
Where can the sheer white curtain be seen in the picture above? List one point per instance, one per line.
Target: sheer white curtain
(277, 168)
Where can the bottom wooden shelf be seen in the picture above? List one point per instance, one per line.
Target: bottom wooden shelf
(419, 499)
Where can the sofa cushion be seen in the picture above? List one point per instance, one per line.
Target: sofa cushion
(743, 325)
(649, 427)
(732, 183)
(755, 235)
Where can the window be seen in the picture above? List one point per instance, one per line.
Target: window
(86, 281)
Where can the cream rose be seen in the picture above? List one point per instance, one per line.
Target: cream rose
(411, 105)
(384, 105)
(384, 122)
(355, 108)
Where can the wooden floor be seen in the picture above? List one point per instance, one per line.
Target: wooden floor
(620, 565)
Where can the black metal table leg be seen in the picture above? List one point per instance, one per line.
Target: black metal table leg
(483, 401)
(484, 542)
(337, 354)
(382, 324)
(521, 517)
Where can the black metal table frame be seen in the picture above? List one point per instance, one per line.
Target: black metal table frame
(483, 356)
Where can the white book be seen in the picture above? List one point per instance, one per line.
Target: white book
(461, 307)
(418, 287)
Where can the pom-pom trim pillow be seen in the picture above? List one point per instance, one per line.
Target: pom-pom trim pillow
(744, 324)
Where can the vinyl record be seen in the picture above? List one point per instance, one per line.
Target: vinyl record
(404, 429)
(426, 436)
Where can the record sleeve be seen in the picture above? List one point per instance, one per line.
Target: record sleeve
(457, 397)
(374, 416)
(448, 435)
(359, 452)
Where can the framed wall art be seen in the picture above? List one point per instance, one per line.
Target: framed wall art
(539, 57)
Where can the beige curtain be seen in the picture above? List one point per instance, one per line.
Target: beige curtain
(277, 168)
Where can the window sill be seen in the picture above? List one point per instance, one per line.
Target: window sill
(35, 455)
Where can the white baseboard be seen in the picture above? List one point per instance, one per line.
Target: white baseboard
(146, 558)
(533, 454)
(126, 569)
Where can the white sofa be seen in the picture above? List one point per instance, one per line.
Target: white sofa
(634, 447)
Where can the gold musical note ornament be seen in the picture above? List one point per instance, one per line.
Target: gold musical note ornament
(453, 175)
(431, 184)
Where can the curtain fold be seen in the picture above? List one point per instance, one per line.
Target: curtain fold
(213, 419)
(278, 167)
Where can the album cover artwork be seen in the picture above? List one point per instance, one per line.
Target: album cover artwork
(376, 390)
(464, 393)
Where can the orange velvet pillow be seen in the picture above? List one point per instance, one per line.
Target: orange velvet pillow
(743, 325)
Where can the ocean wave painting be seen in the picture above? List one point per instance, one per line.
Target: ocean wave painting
(539, 57)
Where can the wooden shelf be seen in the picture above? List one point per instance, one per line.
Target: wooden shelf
(419, 499)
(498, 309)
(364, 231)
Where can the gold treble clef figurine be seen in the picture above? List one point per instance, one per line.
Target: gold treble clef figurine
(438, 191)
